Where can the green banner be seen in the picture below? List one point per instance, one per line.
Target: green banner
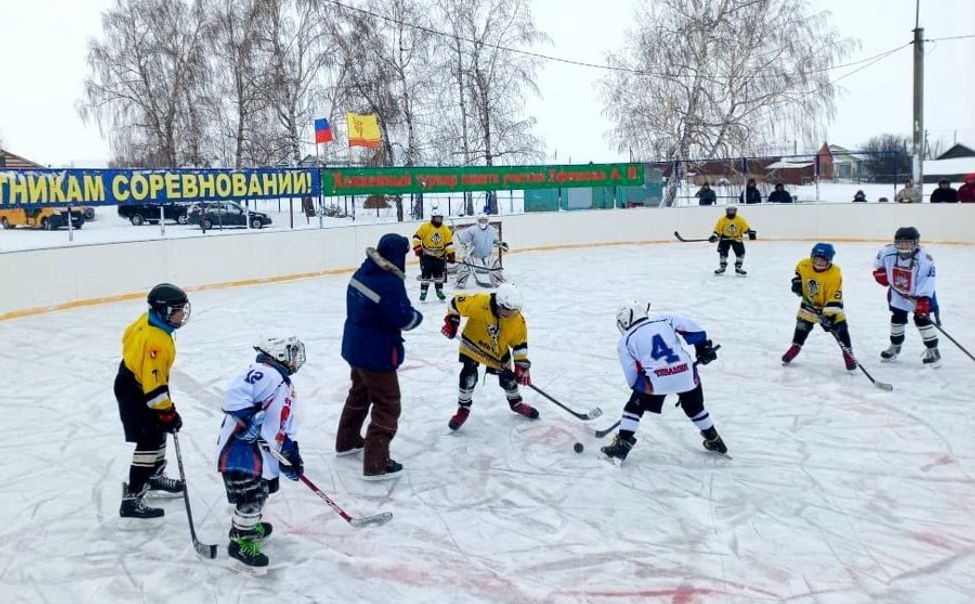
(391, 181)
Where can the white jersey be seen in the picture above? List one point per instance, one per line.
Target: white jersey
(909, 278)
(483, 240)
(262, 389)
(653, 358)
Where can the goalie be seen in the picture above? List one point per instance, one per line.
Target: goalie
(482, 260)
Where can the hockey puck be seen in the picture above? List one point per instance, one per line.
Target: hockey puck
(578, 447)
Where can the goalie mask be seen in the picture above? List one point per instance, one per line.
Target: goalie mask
(170, 304)
(482, 221)
(906, 240)
(630, 314)
(289, 351)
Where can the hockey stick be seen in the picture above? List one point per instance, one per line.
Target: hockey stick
(679, 238)
(498, 366)
(376, 520)
(603, 433)
(953, 340)
(205, 550)
(847, 350)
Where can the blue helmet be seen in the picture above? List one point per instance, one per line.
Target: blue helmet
(823, 250)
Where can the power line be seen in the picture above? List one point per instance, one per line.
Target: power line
(586, 64)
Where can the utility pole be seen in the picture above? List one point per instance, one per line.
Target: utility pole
(918, 101)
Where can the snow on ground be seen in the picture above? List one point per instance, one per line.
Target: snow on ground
(838, 492)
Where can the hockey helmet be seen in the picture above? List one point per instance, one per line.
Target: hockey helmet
(906, 240)
(825, 251)
(166, 300)
(508, 297)
(631, 313)
(731, 211)
(288, 351)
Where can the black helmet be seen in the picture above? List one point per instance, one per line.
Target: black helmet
(166, 299)
(907, 234)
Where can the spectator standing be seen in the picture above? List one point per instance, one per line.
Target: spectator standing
(944, 193)
(705, 195)
(779, 195)
(860, 197)
(966, 192)
(909, 194)
(751, 194)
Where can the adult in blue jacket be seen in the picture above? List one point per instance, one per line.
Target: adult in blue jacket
(377, 311)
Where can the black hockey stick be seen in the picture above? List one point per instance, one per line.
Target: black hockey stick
(603, 433)
(206, 551)
(847, 350)
(376, 520)
(953, 340)
(679, 238)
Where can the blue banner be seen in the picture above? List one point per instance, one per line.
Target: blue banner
(61, 188)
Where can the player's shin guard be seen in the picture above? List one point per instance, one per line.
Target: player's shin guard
(722, 265)
(142, 468)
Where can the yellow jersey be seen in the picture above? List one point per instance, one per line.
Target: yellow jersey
(488, 338)
(149, 352)
(731, 228)
(436, 241)
(822, 291)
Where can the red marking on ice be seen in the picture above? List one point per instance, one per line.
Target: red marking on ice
(935, 540)
(683, 594)
(940, 461)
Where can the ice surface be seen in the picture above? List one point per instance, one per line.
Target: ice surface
(838, 492)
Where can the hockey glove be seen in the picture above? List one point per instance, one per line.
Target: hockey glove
(827, 322)
(752, 234)
(503, 246)
(451, 258)
(169, 420)
(797, 286)
(450, 325)
(522, 373)
(250, 426)
(705, 352)
(289, 450)
(922, 307)
(880, 276)
(418, 251)
(713, 239)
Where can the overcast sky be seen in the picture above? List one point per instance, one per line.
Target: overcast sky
(45, 45)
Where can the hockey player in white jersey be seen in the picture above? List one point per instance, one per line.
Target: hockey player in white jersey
(655, 364)
(259, 413)
(482, 261)
(908, 273)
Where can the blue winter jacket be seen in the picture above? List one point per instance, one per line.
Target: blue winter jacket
(377, 309)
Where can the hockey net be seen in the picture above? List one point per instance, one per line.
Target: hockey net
(462, 253)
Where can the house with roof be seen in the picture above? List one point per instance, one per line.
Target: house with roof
(9, 160)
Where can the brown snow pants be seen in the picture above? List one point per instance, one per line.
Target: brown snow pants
(378, 390)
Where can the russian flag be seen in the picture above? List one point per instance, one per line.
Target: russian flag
(323, 131)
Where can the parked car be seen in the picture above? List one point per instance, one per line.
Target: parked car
(41, 218)
(139, 213)
(222, 214)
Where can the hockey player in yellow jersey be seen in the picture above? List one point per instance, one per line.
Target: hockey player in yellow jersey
(433, 244)
(144, 403)
(819, 283)
(495, 335)
(729, 232)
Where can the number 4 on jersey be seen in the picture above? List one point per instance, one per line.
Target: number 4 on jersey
(662, 351)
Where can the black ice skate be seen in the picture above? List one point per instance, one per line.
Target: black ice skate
(161, 485)
(525, 409)
(423, 295)
(931, 358)
(890, 354)
(134, 506)
(720, 270)
(441, 295)
(713, 442)
(459, 418)
(619, 448)
(790, 354)
(393, 469)
(741, 271)
(259, 532)
(246, 555)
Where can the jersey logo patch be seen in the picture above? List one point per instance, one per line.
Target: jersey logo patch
(902, 279)
(813, 286)
(494, 331)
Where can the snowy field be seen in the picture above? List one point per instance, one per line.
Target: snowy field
(837, 492)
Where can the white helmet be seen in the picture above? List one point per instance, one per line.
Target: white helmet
(630, 314)
(287, 350)
(508, 297)
(435, 210)
(482, 221)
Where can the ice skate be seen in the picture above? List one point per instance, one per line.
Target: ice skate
(849, 361)
(134, 506)
(931, 357)
(246, 555)
(525, 409)
(459, 418)
(393, 469)
(712, 441)
(740, 271)
(161, 485)
(890, 355)
(791, 353)
(423, 295)
(619, 449)
(720, 270)
(440, 295)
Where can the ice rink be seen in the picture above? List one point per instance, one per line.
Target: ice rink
(837, 492)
